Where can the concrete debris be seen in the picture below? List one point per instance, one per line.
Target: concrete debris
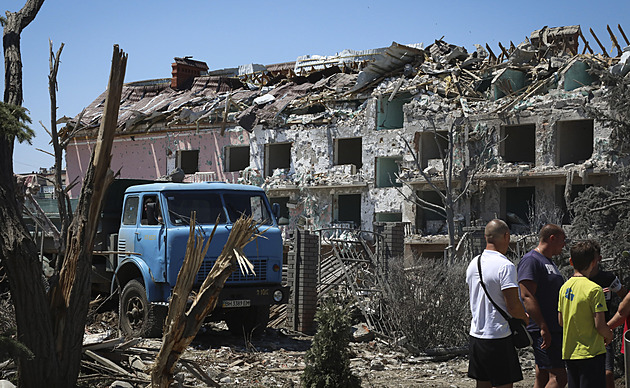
(262, 100)
(177, 175)
(121, 384)
(623, 67)
(361, 333)
(377, 364)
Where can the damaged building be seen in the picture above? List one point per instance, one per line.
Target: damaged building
(348, 139)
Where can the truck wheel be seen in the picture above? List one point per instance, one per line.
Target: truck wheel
(138, 317)
(248, 321)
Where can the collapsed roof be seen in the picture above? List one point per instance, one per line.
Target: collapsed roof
(318, 90)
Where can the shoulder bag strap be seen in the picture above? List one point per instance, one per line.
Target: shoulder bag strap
(503, 313)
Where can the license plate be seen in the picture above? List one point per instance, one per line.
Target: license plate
(237, 303)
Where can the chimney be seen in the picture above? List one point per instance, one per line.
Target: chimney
(185, 70)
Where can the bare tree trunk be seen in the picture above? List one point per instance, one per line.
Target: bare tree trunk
(71, 297)
(57, 347)
(19, 254)
(65, 214)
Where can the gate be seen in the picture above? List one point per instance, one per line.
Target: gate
(353, 262)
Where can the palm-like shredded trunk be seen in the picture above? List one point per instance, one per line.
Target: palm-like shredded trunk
(181, 327)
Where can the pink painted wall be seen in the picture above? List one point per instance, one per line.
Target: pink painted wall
(151, 156)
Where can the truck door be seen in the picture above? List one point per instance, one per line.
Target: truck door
(150, 237)
(127, 231)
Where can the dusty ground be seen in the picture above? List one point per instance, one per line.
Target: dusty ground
(277, 360)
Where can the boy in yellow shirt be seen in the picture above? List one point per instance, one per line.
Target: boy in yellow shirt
(581, 307)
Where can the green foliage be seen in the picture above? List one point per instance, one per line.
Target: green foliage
(429, 302)
(328, 359)
(13, 121)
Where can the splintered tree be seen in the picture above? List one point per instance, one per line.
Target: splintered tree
(50, 325)
(181, 326)
(461, 142)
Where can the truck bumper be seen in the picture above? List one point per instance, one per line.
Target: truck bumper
(264, 295)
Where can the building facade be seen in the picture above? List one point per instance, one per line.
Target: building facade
(369, 136)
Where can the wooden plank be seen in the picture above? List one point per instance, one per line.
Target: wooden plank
(105, 362)
(108, 344)
(601, 46)
(198, 372)
(492, 56)
(586, 45)
(623, 34)
(504, 51)
(614, 40)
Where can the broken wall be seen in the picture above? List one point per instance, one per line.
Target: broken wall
(149, 156)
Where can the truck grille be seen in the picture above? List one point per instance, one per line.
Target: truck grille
(260, 267)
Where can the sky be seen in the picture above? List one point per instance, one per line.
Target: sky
(232, 33)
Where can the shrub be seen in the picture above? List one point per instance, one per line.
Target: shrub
(328, 359)
(429, 302)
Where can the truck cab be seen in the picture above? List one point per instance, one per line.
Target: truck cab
(152, 238)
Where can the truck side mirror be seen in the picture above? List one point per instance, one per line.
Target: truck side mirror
(275, 209)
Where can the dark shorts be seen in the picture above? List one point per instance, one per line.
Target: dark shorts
(610, 356)
(550, 358)
(589, 372)
(494, 360)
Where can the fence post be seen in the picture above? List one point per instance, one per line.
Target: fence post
(302, 278)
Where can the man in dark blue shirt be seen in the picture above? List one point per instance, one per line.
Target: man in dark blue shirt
(540, 281)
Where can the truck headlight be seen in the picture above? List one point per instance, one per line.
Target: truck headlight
(277, 296)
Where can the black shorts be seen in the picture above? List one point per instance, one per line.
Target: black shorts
(550, 358)
(494, 360)
(588, 372)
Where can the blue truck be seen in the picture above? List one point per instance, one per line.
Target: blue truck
(141, 243)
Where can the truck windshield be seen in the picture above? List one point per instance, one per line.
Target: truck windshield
(207, 205)
(248, 204)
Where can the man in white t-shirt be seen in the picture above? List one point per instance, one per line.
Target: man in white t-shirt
(493, 360)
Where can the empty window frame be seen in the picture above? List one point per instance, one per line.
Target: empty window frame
(236, 158)
(428, 218)
(574, 141)
(188, 161)
(277, 155)
(348, 209)
(431, 144)
(389, 114)
(517, 203)
(518, 143)
(349, 151)
(387, 168)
